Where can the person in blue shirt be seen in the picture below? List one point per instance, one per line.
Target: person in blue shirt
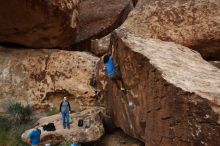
(75, 142)
(112, 72)
(34, 136)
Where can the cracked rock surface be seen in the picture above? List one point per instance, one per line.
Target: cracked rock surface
(33, 76)
(173, 94)
(39, 23)
(192, 23)
(100, 17)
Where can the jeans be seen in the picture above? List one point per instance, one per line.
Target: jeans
(65, 119)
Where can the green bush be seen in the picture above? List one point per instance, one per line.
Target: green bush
(14, 123)
(4, 124)
(10, 134)
(19, 112)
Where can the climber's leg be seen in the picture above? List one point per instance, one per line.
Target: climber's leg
(122, 87)
(115, 79)
(119, 82)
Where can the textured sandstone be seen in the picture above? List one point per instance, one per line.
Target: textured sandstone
(91, 118)
(118, 138)
(39, 23)
(192, 23)
(36, 76)
(100, 46)
(99, 17)
(215, 63)
(173, 97)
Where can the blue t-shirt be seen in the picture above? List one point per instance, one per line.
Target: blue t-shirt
(34, 136)
(110, 66)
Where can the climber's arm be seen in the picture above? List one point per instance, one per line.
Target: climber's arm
(113, 51)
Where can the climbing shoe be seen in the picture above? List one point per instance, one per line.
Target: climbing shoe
(124, 90)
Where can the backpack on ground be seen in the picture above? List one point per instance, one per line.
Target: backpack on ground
(49, 127)
(80, 122)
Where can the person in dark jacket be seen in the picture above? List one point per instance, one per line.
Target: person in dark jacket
(65, 110)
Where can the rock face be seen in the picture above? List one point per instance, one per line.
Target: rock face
(195, 24)
(173, 94)
(99, 17)
(100, 46)
(37, 23)
(35, 76)
(215, 63)
(118, 138)
(93, 131)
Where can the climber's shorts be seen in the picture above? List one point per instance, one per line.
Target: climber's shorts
(115, 76)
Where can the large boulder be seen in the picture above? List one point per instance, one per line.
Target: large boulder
(92, 129)
(173, 94)
(192, 23)
(215, 63)
(100, 46)
(99, 17)
(43, 77)
(39, 23)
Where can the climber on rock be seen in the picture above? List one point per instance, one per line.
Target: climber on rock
(113, 72)
(65, 111)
